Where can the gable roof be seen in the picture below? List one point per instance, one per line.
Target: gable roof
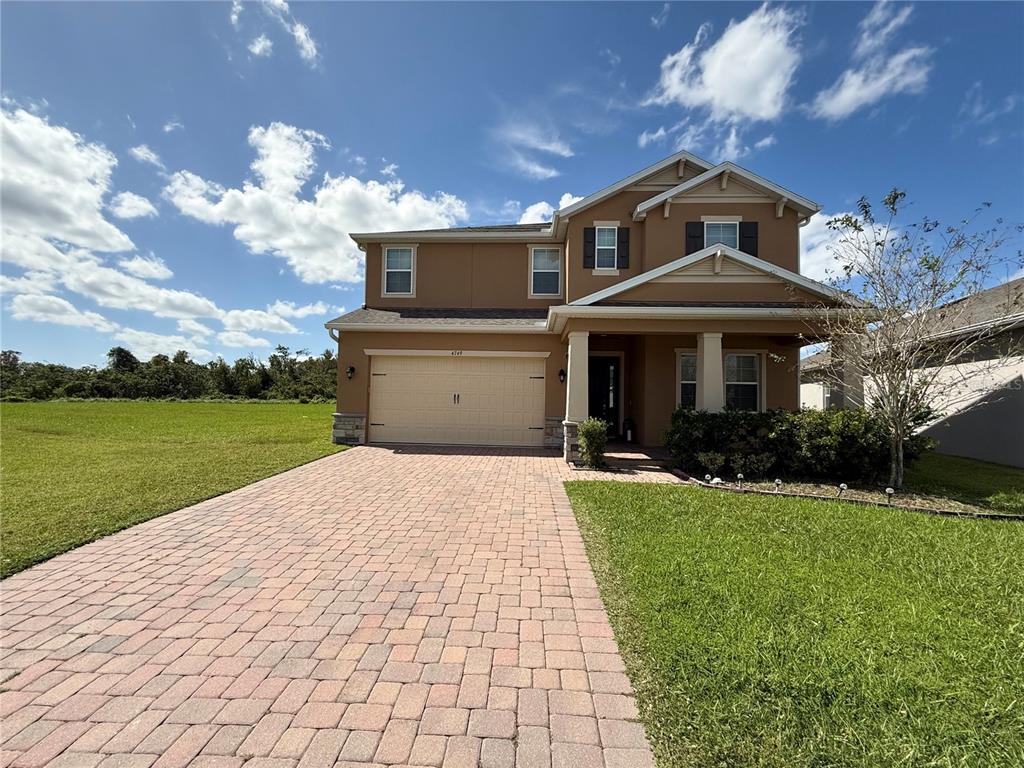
(621, 184)
(805, 283)
(799, 203)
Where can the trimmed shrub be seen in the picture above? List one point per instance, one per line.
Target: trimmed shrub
(848, 445)
(711, 461)
(593, 437)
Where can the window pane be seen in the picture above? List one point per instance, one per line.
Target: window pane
(741, 368)
(605, 258)
(726, 233)
(606, 237)
(399, 258)
(688, 368)
(545, 283)
(741, 397)
(398, 282)
(545, 258)
(688, 396)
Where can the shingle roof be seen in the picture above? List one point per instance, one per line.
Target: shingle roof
(421, 316)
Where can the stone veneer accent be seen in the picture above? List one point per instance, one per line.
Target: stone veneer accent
(553, 432)
(349, 429)
(571, 444)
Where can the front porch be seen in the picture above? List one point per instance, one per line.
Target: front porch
(635, 381)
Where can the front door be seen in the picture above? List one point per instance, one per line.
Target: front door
(605, 394)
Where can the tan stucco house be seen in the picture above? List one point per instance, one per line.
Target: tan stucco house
(677, 286)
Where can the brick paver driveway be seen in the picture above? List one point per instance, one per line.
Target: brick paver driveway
(388, 607)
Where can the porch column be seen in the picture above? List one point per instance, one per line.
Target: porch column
(711, 389)
(577, 392)
(847, 390)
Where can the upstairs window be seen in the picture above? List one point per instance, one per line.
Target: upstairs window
(545, 272)
(724, 232)
(687, 381)
(398, 271)
(607, 247)
(743, 382)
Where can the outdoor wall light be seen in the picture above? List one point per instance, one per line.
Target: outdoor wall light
(350, 371)
(561, 375)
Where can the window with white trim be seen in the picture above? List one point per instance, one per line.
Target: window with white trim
(398, 271)
(743, 382)
(545, 272)
(687, 381)
(606, 256)
(724, 232)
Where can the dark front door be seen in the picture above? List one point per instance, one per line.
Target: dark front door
(605, 394)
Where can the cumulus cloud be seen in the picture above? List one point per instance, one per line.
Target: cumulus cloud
(270, 216)
(541, 212)
(147, 267)
(194, 328)
(261, 46)
(255, 320)
(290, 309)
(145, 344)
(144, 154)
(240, 339)
(53, 309)
(817, 241)
(30, 282)
(876, 70)
(128, 205)
(116, 290)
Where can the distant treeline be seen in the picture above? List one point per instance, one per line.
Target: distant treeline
(284, 376)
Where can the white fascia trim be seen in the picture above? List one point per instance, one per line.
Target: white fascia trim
(793, 199)
(813, 286)
(558, 315)
(392, 237)
(453, 353)
(422, 328)
(600, 195)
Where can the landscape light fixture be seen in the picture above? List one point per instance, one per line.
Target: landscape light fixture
(739, 479)
(889, 493)
(778, 485)
(842, 487)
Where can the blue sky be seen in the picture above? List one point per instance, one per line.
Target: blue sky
(184, 175)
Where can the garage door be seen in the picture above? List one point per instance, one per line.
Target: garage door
(453, 399)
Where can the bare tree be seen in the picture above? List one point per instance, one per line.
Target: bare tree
(918, 342)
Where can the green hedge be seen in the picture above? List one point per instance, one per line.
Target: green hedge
(842, 446)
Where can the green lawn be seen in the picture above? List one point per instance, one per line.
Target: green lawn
(989, 486)
(72, 472)
(765, 631)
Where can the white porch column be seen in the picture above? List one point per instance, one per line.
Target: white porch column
(577, 393)
(711, 374)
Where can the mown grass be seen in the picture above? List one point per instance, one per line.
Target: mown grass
(979, 483)
(766, 631)
(72, 472)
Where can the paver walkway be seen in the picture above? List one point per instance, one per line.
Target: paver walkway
(377, 607)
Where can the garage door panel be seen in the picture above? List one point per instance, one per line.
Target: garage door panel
(500, 400)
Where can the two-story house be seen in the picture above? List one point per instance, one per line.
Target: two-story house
(678, 286)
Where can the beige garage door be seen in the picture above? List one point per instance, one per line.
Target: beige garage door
(452, 399)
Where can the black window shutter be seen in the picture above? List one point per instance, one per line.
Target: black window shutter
(694, 236)
(589, 246)
(622, 252)
(748, 237)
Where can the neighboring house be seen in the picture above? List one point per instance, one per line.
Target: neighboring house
(980, 401)
(678, 285)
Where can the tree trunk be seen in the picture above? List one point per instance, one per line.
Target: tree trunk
(896, 461)
(899, 466)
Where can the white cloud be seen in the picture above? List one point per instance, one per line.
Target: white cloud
(194, 329)
(255, 320)
(390, 169)
(290, 309)
(743, 76)
(978, 111)
(767, 141)
(240, 339)
(116, 290)
(173, 125)
(651, 137)
(146, 267)
(542, 211)
(144, 344)
(731, 147)
(53, 184)
(817, 258)
(53, 309)
(311, 235)
(875, 71)
(261, 46)
(236, 12)
(522, 142)
(304, 42)
(658, 20)
(128, 205)
(144, 154)
(30, 282)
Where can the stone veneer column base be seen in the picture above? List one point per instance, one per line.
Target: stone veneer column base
(571, 444)
(553, 432)
(349, 429)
